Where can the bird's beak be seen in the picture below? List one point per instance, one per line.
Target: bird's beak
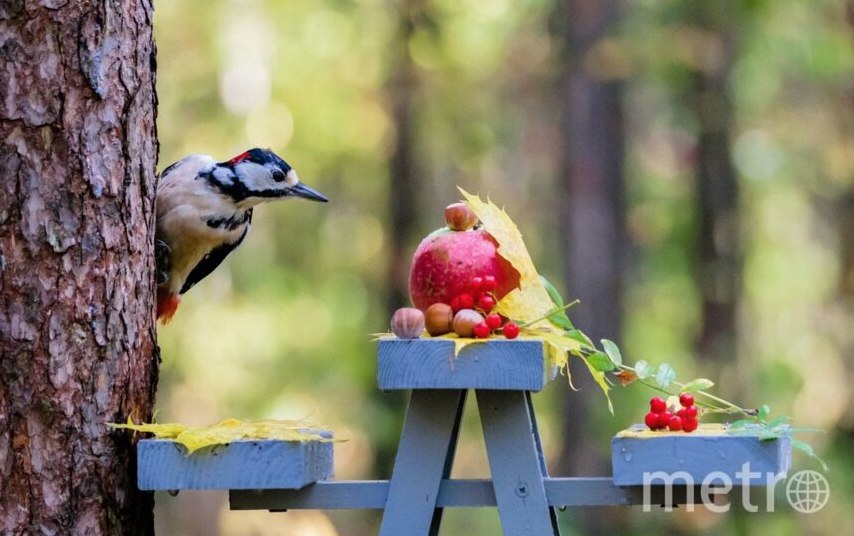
(301, 190)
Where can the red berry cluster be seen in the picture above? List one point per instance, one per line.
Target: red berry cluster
(685, 419)
(480, 298)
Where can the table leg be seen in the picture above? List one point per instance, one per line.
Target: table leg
(424, 458)
(512, 446)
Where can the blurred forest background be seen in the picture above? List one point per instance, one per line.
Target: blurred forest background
(685, 168)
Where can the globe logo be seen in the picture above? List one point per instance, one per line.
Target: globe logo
(807, 491)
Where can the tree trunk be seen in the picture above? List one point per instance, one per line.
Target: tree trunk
(719, 255)
(405, 181)
(77, 342)
(593, 217)
(405, 175)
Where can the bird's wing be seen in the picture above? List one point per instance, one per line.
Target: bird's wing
(210, 261)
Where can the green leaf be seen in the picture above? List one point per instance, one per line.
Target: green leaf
(765, 434)
(763, 411)
(613, 352)
(600, 361)
(601, 381)
(553, 293)
(808, 450)
(559, 319)
(579, 337)
(665, 375)
(644, 369)
(777, 421)
(700, 384)
(741, 423)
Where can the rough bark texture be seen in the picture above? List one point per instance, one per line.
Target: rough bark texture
(77, 343)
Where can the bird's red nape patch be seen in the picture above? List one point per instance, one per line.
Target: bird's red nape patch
(167, 304)
(239, 158)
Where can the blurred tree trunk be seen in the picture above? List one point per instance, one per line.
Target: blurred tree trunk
(406, 176)
(77, 338)
(593, 209)
(406, 179)
(719, 253)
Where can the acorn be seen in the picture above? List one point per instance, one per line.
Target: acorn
(407, 323)
(460, 217)
(465, 320)
(439, 319)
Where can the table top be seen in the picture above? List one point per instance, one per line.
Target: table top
(514, 365)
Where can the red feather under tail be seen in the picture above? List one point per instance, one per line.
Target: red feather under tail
(167, 304)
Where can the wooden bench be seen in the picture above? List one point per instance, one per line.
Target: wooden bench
(502, 374)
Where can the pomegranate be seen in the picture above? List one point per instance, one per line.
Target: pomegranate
(446, 261)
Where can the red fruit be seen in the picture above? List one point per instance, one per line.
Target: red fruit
(489, 283)
(511, 330)
(690, 412)
(455, 304)
(686, 399)
(689, 425)
(482, 331)
(675, 423)
(466, 301)
(446, 261)
(657, 404)
(476, 284)
(486, 303)
(493, 321)
(651, 420)
(681, 412)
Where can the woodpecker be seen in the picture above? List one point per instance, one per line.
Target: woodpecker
(204, 210)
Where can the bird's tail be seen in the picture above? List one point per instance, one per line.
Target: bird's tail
(167, 304)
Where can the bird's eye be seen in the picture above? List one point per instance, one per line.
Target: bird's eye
(278, 176)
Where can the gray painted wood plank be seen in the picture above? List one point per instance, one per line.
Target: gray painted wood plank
(432, 423)
(248, 464)
(457, 493)
(697, 455)
(514, 462)
(430, 364)
(541, 455)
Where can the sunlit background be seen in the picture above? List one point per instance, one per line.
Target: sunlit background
(283, 328)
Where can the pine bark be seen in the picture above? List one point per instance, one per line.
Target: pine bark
(77, 342)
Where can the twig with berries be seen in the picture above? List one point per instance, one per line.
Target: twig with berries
(693, 396)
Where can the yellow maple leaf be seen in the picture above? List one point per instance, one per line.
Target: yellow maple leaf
(530, 303)
(230, 430)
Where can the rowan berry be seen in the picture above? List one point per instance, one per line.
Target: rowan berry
(489, 283)
(675, 423)
(657, 404)
(686, 399)
(481, 331)
(511, 330)
(493, 321)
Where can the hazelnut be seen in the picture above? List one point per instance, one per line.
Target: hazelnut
(439, 319)
(465, 320)
(407, 323)
(460, 217)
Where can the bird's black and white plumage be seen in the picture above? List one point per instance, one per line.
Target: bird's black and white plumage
(204, 210)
